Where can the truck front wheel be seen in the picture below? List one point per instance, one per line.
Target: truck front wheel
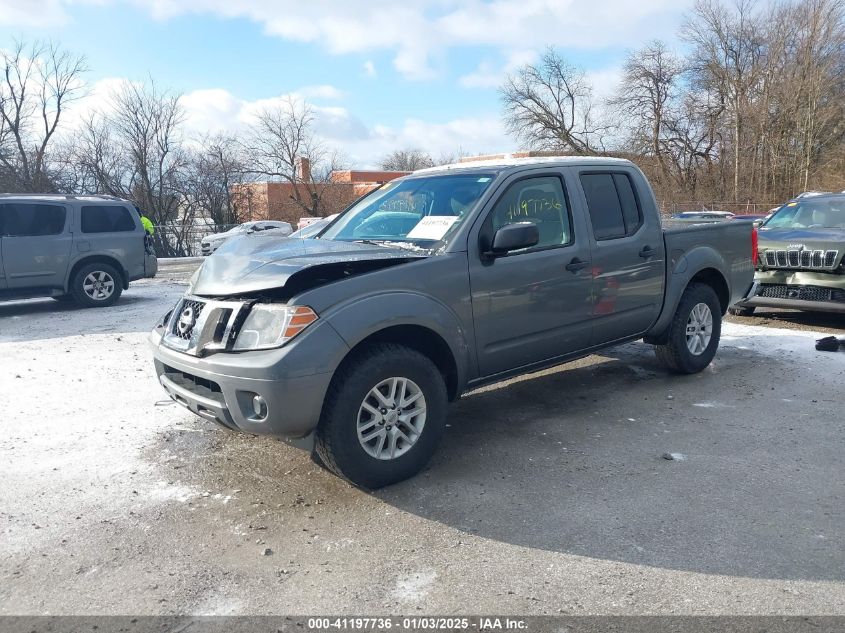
(694, 332)
(383, 417)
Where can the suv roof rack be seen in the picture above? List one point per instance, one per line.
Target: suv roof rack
(66, 196)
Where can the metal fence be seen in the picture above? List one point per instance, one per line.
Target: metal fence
(183, 240)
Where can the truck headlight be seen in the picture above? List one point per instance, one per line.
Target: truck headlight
(193, 280)
(162, 322)
(270, 325)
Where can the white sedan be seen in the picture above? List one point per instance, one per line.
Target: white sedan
(211, 243)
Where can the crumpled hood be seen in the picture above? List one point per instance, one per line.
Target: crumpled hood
(252, 263)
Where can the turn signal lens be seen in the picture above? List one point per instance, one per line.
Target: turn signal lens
(301, 318)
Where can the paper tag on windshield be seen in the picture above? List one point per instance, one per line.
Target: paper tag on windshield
(432, 227)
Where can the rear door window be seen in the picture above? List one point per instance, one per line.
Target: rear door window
(25, 219)
(631, 213)
(107, 218)
(612, 203)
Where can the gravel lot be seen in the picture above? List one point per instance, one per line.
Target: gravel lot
(549, 495)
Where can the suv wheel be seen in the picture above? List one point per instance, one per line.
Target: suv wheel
(694, 332)
(383, 417)
(96, 285)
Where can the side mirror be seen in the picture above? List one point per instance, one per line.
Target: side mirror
(513, 237)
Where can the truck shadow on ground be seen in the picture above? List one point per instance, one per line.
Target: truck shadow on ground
(571, 461)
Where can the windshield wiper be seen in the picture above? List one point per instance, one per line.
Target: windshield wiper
(373, 242)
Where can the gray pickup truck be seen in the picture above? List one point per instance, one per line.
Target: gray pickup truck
(352, 344)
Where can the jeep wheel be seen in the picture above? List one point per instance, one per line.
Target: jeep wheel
(383, 417)
(694, 332)
(96, 285)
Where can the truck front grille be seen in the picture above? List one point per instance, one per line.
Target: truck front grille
(186, 319)
(199, 325)
(800, 259)
(194, 383)
(801, 293)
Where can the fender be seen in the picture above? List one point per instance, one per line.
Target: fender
(681, 268)
(356, 320)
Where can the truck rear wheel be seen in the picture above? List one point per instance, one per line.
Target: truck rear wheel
(694, 332)
(383, 417)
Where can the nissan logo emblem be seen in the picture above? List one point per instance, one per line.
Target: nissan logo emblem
(186, 321)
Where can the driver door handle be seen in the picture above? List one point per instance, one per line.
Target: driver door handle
(576, 264)
(647, 252)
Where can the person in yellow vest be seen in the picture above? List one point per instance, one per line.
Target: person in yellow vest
(148, 225)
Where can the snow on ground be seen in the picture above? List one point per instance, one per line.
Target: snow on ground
(554, 485)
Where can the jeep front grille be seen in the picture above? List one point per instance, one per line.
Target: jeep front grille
(800, 259)
(801, 293)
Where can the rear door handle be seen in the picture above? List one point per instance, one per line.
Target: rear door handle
(647, 252)
(576, 264)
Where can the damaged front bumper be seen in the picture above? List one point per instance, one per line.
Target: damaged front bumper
(797, 290)
(277, 392)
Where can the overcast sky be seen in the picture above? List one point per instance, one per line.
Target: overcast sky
(381, 74)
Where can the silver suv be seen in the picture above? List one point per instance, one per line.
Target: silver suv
(84, 249)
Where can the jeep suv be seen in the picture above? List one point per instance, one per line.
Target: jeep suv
(81, 248)
(800, 257)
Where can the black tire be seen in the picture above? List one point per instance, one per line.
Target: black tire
(105, 273)
(337, 443)
(676, 354)
(743, 312)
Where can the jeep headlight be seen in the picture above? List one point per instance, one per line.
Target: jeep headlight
(270, 325)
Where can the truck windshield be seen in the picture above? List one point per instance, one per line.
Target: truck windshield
(420, 211)
(812, 213)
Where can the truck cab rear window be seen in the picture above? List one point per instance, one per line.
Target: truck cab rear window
(20, 220)
(111, 218)
(612, 203)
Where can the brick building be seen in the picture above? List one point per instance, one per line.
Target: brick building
(278, 200)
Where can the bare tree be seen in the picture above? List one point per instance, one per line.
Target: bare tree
(281, 145)
(135, 150)
(406, 160)
(215, 166)
(39, 82)
(549, 105)
(728, 51)
(648, 98)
